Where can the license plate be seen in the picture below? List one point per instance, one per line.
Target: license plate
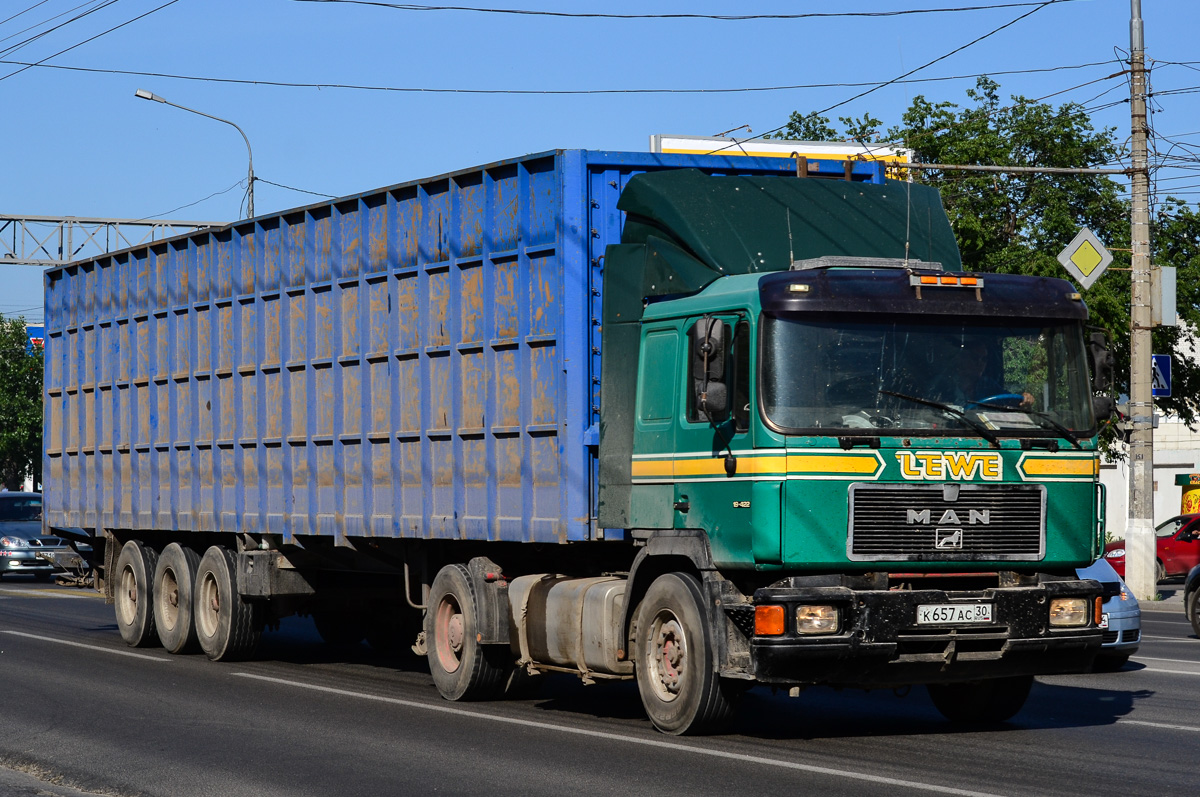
(1103, 621)
(946, 614)
(45, 556)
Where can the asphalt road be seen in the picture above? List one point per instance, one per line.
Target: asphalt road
(79, 710)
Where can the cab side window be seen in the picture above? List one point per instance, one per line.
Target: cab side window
(735, 374)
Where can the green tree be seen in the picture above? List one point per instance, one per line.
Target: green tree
(1018, 223)
(20, 406)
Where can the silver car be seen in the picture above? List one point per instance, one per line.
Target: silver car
(23, 549)
(1121, 617)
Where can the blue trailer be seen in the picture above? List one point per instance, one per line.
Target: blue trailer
(411, 414)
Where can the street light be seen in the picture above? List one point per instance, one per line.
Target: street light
(148, 95)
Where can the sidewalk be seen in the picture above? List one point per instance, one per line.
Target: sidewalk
(1171, 599)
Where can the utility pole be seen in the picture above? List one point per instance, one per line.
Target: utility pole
(1140, 553)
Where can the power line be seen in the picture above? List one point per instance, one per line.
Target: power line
(93, 38)
(716, 17)
(861, 94)
(197, 202)
(291, 188)
(23, 11)
(536, 92)
(97, 7)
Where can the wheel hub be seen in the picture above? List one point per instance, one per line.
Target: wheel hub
(670, 651)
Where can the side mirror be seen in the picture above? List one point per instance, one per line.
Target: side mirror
(1103, 407)
(708, 367)
(1102, 362)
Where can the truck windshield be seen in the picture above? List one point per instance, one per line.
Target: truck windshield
(1026, 378)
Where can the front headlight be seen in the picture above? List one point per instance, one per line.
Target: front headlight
(1115, 553)
(1067, 612)
(817, 620)
(13, 542)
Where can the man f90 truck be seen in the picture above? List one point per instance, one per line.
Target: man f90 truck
(704, 422)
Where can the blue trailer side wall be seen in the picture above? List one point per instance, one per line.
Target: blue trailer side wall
(417, 361)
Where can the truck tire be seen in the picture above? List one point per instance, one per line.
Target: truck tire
(227, 627)
(991, 701)
(174, 583)
(134, 594)
(461, 667)
(1193, 611)
(679, 686)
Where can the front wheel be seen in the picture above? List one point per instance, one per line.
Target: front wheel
(995, 700)
(462, 668)
(678, 682)
(227, 627)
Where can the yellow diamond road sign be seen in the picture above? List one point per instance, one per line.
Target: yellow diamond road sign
(1085, 258)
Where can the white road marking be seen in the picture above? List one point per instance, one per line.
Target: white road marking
(1167, 726)
(88, 647)
(927, 788)
(1174, 661)
(1171, 672)
(1189, 640)
(46, 593)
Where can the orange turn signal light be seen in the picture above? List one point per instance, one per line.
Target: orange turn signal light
(768, 620)
(1099, 610)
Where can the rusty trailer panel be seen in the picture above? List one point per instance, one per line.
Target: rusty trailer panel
(418, 361)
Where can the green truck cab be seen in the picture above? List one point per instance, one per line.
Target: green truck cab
(883, 471)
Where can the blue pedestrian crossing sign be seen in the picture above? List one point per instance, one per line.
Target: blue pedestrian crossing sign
(1161, 385)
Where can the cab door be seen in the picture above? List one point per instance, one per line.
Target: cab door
(653, 492)
(715, 485)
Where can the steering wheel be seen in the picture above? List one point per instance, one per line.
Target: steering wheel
(1002, 399)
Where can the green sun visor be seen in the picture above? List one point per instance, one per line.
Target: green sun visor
(739, 225)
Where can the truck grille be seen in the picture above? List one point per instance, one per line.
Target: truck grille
(946, 522)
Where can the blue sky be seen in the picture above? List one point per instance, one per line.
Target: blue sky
(78, 143)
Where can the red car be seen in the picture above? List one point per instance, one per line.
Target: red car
(1178, 544)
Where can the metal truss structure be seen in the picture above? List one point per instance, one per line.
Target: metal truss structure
(56, 241)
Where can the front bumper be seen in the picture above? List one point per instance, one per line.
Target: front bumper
(24, 562)
(881, 644)
(1123, 634)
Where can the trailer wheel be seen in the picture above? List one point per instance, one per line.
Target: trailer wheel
(989, 701)
(462, 668)
(174, 583)
(679, 686)
(227, 627)
(135, 594)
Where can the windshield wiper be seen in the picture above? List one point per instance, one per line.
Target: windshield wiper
(1043, 420)
(983, 431)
